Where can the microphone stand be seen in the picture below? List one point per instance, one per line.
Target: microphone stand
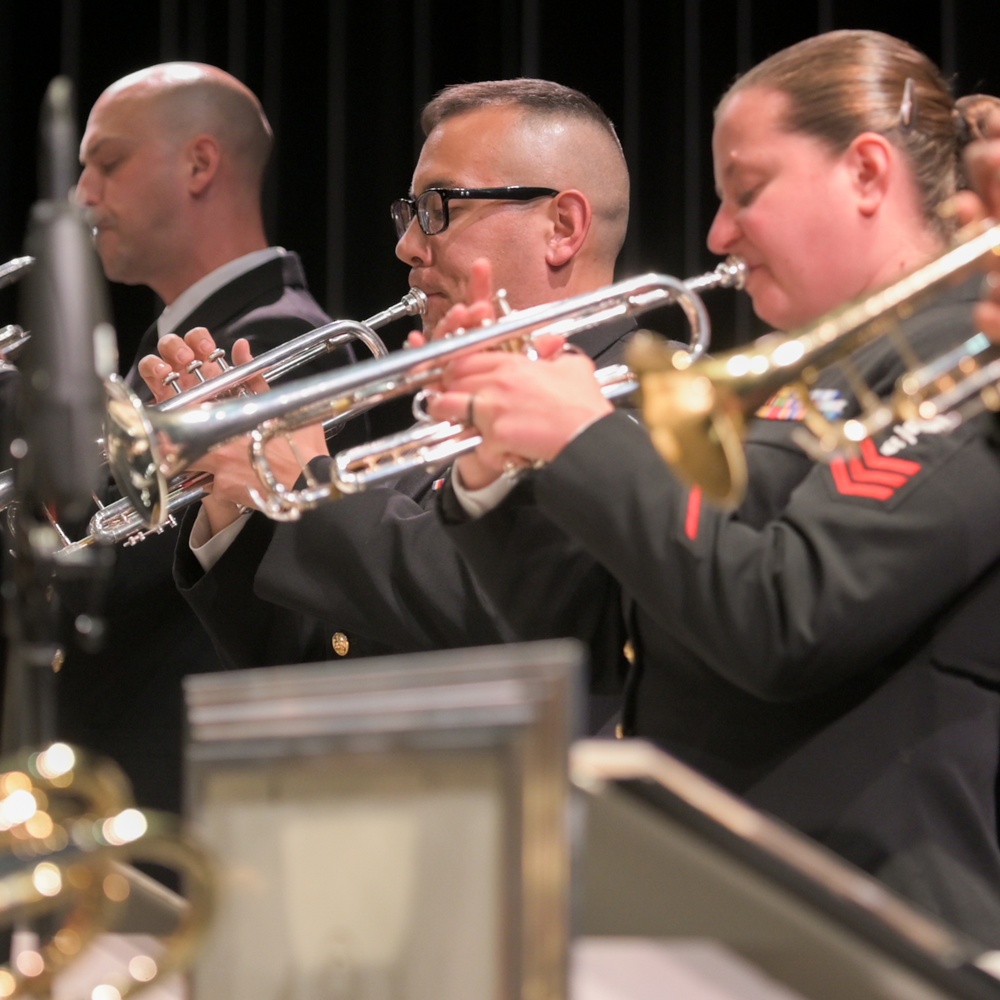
(59, 415)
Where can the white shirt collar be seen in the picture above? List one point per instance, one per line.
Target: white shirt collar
(192, 297)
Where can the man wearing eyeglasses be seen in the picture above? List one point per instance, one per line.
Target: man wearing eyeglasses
(526, 174)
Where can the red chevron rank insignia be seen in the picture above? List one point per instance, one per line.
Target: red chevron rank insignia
(872, 474)
(693, 518)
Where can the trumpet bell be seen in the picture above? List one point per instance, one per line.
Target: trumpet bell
(695, 422)
(129, 442)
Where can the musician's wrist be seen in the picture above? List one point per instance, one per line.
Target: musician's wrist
(222, 513)
(474, 474)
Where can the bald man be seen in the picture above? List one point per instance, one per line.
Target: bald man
(173, 160)
(526, 174)
(173, 167)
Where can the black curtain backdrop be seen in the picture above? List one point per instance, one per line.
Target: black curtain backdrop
(343, 82)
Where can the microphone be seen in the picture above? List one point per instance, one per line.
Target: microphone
(60, 407)
(65, 305)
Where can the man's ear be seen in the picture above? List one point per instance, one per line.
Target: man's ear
(203, 156)
(571, 216)
(870, 159)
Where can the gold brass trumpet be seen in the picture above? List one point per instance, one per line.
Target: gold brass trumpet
(67, 824)
(697, 412)
(147, 447)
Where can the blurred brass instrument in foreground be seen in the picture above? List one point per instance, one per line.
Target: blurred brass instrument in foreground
(147, 447)
(697, 411)
(67, 827)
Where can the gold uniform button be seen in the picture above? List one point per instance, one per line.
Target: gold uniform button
(619, 732)
(341, 644)
(628, 651)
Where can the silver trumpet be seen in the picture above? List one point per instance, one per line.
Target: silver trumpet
(14, 270)
(429, 445)
(12, 339)
(148, 446)
(119, 521)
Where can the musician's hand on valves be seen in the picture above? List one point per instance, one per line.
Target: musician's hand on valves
(235, 481)
(234, 477)
(526, 411)
(184, 362)
(481, 308)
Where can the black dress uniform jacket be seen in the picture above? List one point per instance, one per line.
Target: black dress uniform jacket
(126, 700)
(830, 650)
(373, 573)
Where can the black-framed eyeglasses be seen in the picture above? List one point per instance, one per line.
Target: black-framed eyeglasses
(431, 207)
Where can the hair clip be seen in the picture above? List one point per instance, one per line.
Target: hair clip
(906, 105)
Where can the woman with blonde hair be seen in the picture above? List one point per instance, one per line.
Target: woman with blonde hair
(831, 649)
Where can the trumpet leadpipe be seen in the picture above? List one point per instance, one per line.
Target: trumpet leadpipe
(731, 273)
(413, 303)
